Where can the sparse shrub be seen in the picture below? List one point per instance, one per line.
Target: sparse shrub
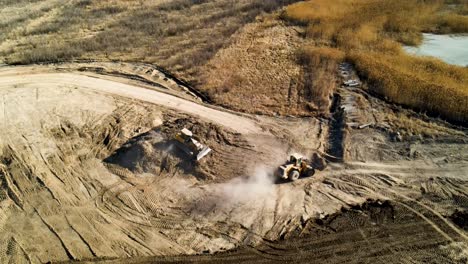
(45, 54)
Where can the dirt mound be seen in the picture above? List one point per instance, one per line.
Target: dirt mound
(155, 151)
(460, 218)
(368, 214)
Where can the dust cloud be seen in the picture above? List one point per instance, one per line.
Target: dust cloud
(240, 190)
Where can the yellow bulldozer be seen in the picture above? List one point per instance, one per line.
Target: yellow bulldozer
(297, 166)
(186, 141)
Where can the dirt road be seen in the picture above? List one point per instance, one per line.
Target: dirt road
(60, 200)
(59, 80)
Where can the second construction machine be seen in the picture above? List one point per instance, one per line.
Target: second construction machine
(191, 146)
(298, 166)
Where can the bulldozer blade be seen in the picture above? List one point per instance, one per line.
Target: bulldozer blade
(203, 153)
(184, 148)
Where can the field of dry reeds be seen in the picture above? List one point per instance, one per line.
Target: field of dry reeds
(369, 33)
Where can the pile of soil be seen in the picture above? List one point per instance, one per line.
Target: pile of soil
(155, 151)
(460, 218)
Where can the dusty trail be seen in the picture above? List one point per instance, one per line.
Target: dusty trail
(61, 80)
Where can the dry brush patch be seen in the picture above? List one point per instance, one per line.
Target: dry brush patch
(424, 84)
(180, 35)
(258, 72)
(320, 80)
(265, 71)
(369, 33)
(408, 124)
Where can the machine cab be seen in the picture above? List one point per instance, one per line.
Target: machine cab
(295, 159)
(186, 135)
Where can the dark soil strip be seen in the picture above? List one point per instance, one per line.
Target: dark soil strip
(337, 129)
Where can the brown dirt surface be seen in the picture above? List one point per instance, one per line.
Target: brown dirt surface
(87, 175)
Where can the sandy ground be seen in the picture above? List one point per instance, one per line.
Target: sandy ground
(60, 201)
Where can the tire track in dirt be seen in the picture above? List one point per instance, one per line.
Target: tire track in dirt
(393, 195)
(81, 237)
(438, 215)
(111, 201)
(53, 231)
(3, 111)
(436, 227)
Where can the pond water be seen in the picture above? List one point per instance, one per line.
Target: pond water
(452, 49)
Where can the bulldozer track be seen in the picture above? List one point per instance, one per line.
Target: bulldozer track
(389, 194)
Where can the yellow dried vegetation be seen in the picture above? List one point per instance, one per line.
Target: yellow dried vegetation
(369, 33)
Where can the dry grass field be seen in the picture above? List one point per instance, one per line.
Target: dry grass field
(370, 34)
(180, 35)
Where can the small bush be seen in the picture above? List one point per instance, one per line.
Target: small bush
(452, 23)
(45, 54)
